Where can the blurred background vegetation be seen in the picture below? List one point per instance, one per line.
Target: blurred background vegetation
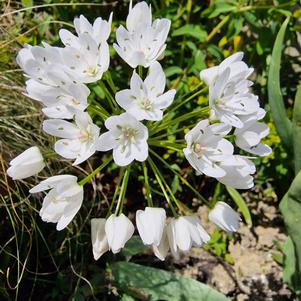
(36, 261)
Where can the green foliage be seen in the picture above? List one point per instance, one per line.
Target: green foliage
(297, 131)
(146, 283)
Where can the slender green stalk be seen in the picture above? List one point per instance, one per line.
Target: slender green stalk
(110, 82)
(166, 144)
(98, 111)
(179, 119)
(181, 178)
(160, 180)
(140, 71)
(123, 189)
(148, 191)
(109, 96)
(217, 28)
(187, 100)
(95, 172)
(115, 192)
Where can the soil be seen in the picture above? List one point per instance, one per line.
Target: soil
(254, 275)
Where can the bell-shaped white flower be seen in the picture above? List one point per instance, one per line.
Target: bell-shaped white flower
(127, 137)
(27, 164)
(143, 42)
(162, 249)
(185, 232)
(238, 172)
(87, 63)
(79, 138)
(238, 70)
(249, 136)
(145, 100)
(206, 147)
(99, 238)
(119, 229)
(225, 217)
(150, 224)
(62, 202)
(61, 100)
(99, 31)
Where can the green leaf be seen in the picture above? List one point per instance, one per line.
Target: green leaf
(297, 130)
(170, 71)
(146, 283)
(191, 30)
(26, 3)
(282, 123)
(241, 204)
(290, 207)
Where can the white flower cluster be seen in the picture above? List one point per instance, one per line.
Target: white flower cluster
(232, 104)
(57, 77)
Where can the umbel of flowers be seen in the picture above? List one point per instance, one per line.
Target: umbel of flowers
(135, 127)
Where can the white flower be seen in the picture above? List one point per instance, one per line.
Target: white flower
(145, 100)
(206, 147)
(61, 100)
(238, 69)
(88, 62)
(27, 164)
(79, 138)
(229, 95)
(143, 42)
(150, 224)
(119, 229)
(238, 172)
(63, 200)
(224, 217)
(99, 31)
(249, 136)
(127, 137)
(162, 249)
(185, 232)
(99, 238)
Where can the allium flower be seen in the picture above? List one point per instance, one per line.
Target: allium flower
(185, 232)
(127, 137)
(238, 70)
(249, 136)
(206, 147)
(87, 63)
(119, 229)
(229, 95)
(27, 164)
(63, 200)
(99, 238)
(99, 31)
(238, 172)
(143, 42)
(145, 100)
(79, 138)
(224, 217)
(61, 100)
(150, 224)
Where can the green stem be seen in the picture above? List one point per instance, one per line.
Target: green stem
(170, 145)
(148, 192)
(184, 117)
(160, 180)
(187, 99)
(109, 96)
(98, 111)
(95, 172)
(110, 82)
(182, 178)
(140, 71)
(115, 192)
(217, 28)
(123, 189)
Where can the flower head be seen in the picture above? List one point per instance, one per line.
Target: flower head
(27, 164)
(127, 137)
(185, 232)
(119, 229)
(150, 225)
(63, 200)
(145, 100)
(249, 136)
(224, 217)
(206, 147)
(79, 138)
(99, 238)
(143, 42)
